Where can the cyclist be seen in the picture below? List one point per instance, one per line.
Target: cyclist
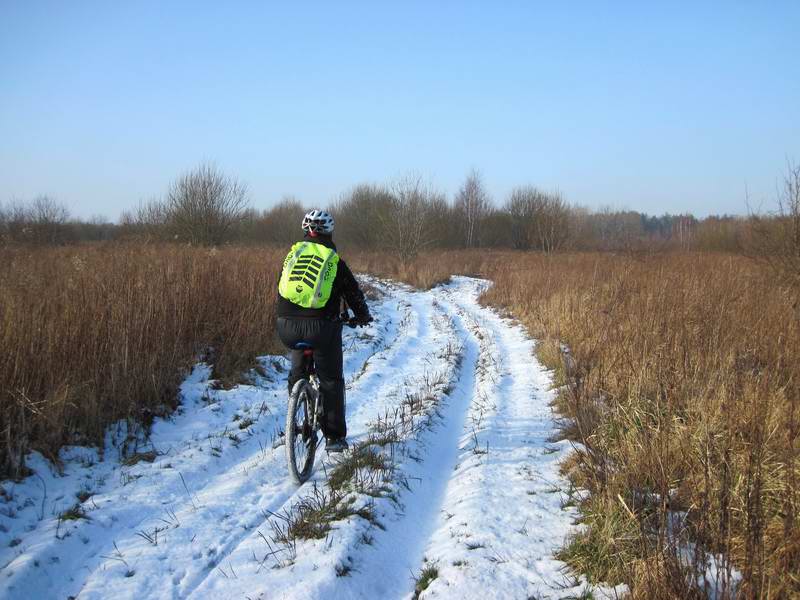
(313, 281)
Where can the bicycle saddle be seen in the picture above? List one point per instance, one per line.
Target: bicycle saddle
(303, 346)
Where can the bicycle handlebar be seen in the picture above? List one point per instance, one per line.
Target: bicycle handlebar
(352, 322)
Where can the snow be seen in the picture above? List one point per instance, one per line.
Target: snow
(712, 573)
(475, 489)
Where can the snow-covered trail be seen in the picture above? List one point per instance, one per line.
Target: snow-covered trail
(479, 498)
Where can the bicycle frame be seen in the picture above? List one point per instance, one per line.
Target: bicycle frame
(313, 380)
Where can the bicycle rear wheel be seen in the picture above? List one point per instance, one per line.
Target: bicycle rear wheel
(301, 438)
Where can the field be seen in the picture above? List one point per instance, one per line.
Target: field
(678, 378)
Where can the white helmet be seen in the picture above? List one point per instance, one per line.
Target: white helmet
(318, 221)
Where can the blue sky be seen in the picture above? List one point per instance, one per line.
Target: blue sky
(671, 108)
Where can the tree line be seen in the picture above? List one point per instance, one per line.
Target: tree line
(205, 206)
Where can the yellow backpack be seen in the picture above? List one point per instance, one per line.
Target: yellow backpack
(308, 274)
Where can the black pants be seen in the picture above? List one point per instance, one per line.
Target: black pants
(326, 338)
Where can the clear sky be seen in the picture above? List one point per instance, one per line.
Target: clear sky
(649, 106)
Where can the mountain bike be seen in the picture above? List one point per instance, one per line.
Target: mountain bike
(304, 417)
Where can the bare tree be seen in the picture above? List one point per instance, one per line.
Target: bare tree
(96, 229)
(281, 224)
(580, 227)
(203, 205)
(442, 223)
(147, 222)
(616, 229)
(45, 209)
(776, 238)
(18, 221)
(361, 213)
(539, 220)
(551, 225)
(407, 225)
(5, 236)
(43, 220)
(472, 204)
(522, 207)
(497, 229)
(48, 220)
(683, 230)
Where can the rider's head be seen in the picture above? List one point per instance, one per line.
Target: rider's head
(318, 222)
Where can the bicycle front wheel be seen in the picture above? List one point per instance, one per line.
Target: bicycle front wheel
(301, 438)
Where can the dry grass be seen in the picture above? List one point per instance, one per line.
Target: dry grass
(95, 334)
(313, 516)
(683, 385)
(428, 269)
(424, 580)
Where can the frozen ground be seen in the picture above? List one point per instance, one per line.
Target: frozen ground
(474, 497)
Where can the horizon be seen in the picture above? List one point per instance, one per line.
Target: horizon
(689, 110)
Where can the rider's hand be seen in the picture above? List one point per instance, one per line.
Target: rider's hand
(363, 320)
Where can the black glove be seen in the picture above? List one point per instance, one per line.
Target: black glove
(362, 320)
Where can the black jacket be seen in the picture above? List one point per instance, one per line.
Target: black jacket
(344, 286)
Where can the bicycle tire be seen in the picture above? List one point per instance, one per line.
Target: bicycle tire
(301, 438)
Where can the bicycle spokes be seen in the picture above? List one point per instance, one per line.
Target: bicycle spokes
(301, 432)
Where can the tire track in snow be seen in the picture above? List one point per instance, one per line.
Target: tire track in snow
(287, 493)
(504, 517)
(373, 369)
(386, 373)
(383, 569)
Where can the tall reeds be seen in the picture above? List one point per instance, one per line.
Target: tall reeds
(90, 335)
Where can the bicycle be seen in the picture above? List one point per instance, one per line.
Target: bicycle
(304, 416)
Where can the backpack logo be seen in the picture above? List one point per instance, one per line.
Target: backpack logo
(306, 269)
